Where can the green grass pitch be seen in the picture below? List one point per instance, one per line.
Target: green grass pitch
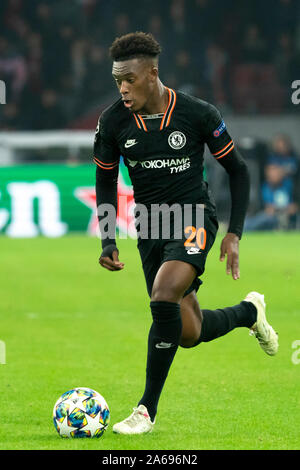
(66, 323)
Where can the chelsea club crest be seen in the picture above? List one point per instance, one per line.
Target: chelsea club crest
(177, 140)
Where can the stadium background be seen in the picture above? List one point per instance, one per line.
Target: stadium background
(59, 324)
(54, 62)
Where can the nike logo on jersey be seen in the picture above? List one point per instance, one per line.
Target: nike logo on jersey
(163, 345)
(130, 143)
(132, 162)
(193, 251)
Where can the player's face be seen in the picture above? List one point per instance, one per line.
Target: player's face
(135, 80)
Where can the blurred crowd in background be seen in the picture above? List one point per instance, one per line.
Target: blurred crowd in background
(278, 200)
(241, 56)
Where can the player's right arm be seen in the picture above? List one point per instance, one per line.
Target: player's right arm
(107, 157)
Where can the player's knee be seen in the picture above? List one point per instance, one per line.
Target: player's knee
(188, 342)
(165, 294)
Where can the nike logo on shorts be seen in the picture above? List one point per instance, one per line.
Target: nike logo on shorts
(193, 251)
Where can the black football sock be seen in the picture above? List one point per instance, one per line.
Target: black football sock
(217, 323)
(163, 341)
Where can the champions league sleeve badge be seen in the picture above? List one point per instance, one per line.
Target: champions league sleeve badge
(220, 129)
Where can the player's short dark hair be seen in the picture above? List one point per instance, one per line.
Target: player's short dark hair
(134, 45)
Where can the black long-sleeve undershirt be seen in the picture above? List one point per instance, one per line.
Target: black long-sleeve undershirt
(106, 193)
(239, 182)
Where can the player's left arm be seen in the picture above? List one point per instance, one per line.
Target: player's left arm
(239, 182)
(222, 148)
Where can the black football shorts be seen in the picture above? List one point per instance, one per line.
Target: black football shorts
(192, 247)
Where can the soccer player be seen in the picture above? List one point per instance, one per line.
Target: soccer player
(161, 135)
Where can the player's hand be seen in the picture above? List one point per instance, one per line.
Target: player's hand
(109, 258)
(230, 247)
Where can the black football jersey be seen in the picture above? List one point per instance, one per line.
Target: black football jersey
(163, 152)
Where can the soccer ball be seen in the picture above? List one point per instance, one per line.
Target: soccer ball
(81, 412)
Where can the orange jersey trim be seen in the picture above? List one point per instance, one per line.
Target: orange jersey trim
(221, 156)
(165, 113)
(165, 121)
(105, 166)
(172, 109)
(143, 123)
(224, 148)
(140, 122)
(137, 122)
